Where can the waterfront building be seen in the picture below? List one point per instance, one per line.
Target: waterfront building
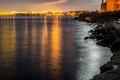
(110, 5)
(103, 6)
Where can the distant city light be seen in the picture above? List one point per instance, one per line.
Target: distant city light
(46, 13)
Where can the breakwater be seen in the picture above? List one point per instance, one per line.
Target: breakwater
(107, 35)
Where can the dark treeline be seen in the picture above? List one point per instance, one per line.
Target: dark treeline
(99, 16)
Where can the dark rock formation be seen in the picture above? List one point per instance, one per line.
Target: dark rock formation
(109, 75)
(106, 67)
(108, 36)
(116, 45)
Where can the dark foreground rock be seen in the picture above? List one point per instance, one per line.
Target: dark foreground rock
(106, 67)
(109, 75)
(108, 36)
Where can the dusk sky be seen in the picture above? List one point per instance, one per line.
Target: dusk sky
(42, 5)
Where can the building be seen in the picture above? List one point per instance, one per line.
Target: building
(103, 6)
(110, 5)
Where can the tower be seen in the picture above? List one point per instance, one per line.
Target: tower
(103, 6)
(102, 1)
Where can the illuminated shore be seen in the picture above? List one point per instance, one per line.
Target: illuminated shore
(46, 13)
(106, 34)
(14, 13)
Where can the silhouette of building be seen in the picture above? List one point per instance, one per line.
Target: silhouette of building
(103, 6)
(110, 5)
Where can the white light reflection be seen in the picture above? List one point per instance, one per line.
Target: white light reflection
(91, 56)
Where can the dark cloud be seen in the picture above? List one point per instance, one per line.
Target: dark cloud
(82, 4)
(31, 4)
(25, 1)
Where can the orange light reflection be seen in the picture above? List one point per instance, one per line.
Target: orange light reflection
(56, 48)
(44, 45)
(8, 47)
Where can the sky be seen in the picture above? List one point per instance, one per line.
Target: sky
(49, 5)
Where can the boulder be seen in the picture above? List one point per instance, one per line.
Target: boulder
(115, 59)
(109, 75)
(115, 46)
(101, 42)
(110, 38)
(106, 67)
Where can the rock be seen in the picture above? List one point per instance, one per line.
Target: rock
(115, 59)
(90, 37)
(101, 42)
(86, 38)
(116, 45)
(110, 38)
(106, 67)
(107, 35)
(99, 37)
(116, 52)
(97, 77)
(109, 75)
(91, 31)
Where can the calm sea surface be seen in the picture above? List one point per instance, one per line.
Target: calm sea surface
(48, 48)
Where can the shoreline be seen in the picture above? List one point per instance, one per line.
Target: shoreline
(108, 36)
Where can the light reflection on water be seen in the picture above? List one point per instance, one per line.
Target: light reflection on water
(48, 48)
(92, 55)
(7, 49)
(55, 58)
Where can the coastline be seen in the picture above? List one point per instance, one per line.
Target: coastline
(108, 36)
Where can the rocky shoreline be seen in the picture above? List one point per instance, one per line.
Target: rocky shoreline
(107, 35)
